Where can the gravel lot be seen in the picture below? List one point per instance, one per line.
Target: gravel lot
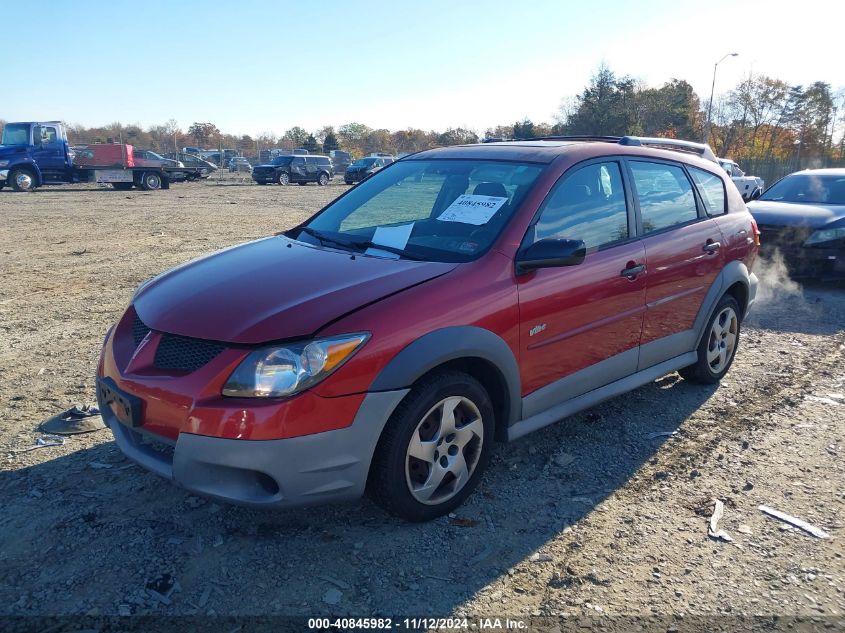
(591, 516)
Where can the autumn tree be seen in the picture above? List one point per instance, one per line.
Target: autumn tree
(353, 136)
(457, 136)
(202, 132)
(294, 137)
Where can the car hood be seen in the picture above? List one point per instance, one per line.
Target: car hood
(272, 289)
(814, 216)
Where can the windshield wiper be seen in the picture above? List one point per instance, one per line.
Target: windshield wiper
(361, 245)
(325, 239)
(365, 244)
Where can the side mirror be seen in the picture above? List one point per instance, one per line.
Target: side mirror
(550, 253)
(756, 194)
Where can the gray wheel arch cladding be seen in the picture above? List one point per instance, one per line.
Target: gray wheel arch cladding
(733, 272)
(451, 344)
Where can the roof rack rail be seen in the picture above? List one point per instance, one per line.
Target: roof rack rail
(575, 137)
(702, 149)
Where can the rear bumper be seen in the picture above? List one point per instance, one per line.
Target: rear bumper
(753, 283)
(312, 469)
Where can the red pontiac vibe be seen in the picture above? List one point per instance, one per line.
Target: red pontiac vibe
(458, 297)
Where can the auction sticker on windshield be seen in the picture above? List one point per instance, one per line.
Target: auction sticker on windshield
(472, 209)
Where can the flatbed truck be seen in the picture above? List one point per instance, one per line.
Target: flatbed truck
(33, 154)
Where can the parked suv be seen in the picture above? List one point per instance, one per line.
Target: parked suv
(365, 167)
(460, 296)
(295, 168)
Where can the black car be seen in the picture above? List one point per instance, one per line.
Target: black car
(364, 167)
(295, 168)
(803, 217)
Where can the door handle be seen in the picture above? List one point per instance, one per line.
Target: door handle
(711, 247)
(632, 271)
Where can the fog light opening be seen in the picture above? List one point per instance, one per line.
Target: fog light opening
(267, 483)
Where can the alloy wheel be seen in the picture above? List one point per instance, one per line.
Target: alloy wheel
(444, 450)
(722, 339)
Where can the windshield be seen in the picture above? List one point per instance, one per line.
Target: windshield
(15, 134)
(282, 160)
(435, 210)
(364, 162)
(808, 188)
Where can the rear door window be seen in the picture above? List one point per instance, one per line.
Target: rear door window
(665, 195)
(587, 204)
(711, 188)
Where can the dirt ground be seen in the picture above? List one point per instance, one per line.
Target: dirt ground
(593, 516)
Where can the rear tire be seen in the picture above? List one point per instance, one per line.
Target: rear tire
(150, 181)
(718, 346)
(434, 448)
(22, 179)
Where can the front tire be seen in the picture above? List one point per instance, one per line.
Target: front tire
(283, 179)
(22, 179)
(434, 449)
(323, 179)
(718, 346)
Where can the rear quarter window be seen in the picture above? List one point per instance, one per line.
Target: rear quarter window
(711, 188)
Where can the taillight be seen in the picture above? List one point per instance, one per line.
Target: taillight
(755, 232)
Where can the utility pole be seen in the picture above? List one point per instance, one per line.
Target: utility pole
(712, 90)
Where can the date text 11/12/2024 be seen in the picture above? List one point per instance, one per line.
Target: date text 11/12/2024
(413, 624)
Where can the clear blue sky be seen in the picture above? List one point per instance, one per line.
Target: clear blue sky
(251, 66)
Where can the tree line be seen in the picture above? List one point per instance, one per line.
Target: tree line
(760, 118)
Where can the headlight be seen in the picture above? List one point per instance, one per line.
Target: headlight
(825, 235)
(4, 163)
(275, 372)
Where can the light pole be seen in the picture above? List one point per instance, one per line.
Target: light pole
(712, 89)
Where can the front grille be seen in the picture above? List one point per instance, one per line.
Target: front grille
(783, 236)
(185, 354)
(139, 330)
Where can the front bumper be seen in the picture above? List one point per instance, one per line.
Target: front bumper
(810, 262)
(311, 469)
(355, 176)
